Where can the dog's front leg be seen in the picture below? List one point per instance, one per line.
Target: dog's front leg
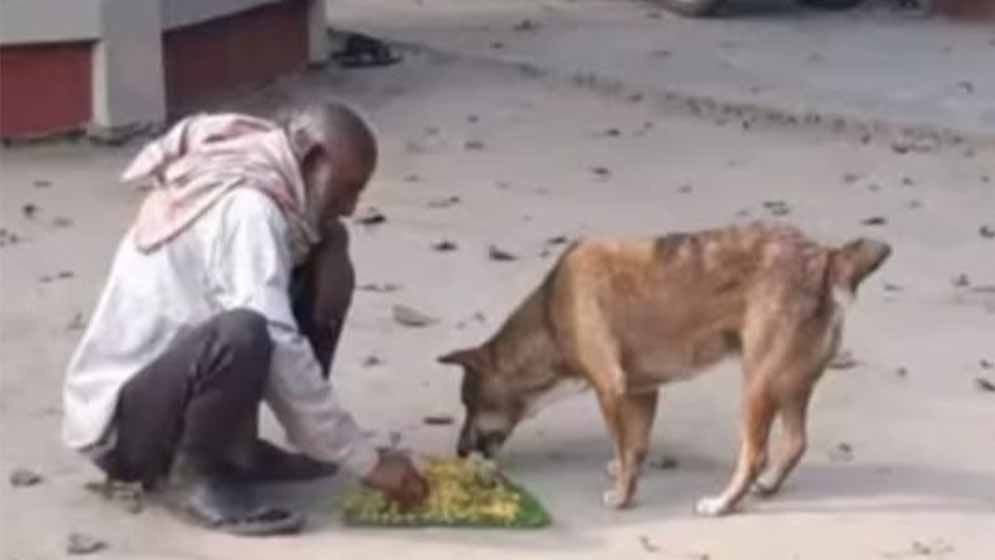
(634, 415)
(614, 497)
(759, 410)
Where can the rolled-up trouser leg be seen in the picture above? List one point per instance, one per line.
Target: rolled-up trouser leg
(193, 398)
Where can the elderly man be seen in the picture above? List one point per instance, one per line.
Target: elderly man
(229, 290)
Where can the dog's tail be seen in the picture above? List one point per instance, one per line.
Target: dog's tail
(852, 263)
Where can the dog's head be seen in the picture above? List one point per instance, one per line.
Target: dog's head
(492, 408)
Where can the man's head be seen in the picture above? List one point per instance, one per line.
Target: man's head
(337, 152)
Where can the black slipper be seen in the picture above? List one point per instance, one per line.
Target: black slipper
(233, 508)
(362, 51)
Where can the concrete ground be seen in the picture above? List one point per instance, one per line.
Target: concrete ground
(864, 65)
(919, 480)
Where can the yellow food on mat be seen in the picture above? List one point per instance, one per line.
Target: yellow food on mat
(463, 491)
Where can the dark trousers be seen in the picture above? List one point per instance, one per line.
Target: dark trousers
(199, 396)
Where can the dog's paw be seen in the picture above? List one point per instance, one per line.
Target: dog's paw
(711, 506)
(615, 500)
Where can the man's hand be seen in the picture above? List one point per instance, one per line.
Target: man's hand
(396, 476)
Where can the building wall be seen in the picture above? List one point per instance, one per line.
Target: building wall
(979, 10)
(109, 65)
(245, 49)
(45, 88)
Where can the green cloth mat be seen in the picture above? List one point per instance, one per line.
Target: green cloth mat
(532, 515)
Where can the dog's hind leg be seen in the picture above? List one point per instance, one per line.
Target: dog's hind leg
(758, 413)
(792, 445)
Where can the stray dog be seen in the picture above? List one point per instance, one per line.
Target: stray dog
(623, 317)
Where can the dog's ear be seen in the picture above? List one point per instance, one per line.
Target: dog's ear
(468, 357)
(853, 262)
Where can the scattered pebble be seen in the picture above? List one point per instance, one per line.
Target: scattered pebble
(904, 146)
(386, 288)
(413, 178)
(648, 545)
(777, 207)
(29, 210)
(80, 544)
(497, 254)
(685, 189)
(986, 179)
(938, 548)
(372, 217)
(844, 360)
(372, 361)
(496, 45)
(612, 133)
(875, 221)
(439, 420)
(445, 202)
(985, 364)
(444, 246)
(474, 146)
(966, 86)
(636, 98)
(601, 172)
(908, 181)
(42, 183)
(22, 478)
(961, 281)
(558, 240)
(66, 274)
(850, 178)
(411, 317)
(61, 222)
(664, 463)
(902, 372)
(913, 204)
(984, 384)
(76, 323)
(526, 25)
(986, 231)
(889, 287)
(472, 119)
(842, 453)
(874, 187)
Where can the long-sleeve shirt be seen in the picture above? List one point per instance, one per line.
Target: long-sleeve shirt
(237, 255)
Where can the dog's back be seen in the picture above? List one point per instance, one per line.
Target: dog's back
(676, 304)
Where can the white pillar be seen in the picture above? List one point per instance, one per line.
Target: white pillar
(319, 47)
(128, 81)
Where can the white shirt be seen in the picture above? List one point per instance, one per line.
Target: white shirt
(237, 255)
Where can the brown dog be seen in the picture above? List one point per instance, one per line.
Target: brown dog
(623, 317)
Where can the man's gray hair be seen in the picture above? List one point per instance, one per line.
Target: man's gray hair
(332, 124)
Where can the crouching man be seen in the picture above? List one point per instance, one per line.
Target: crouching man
(231, 289)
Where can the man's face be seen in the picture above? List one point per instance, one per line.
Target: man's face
(335, 183)
(348, 179)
